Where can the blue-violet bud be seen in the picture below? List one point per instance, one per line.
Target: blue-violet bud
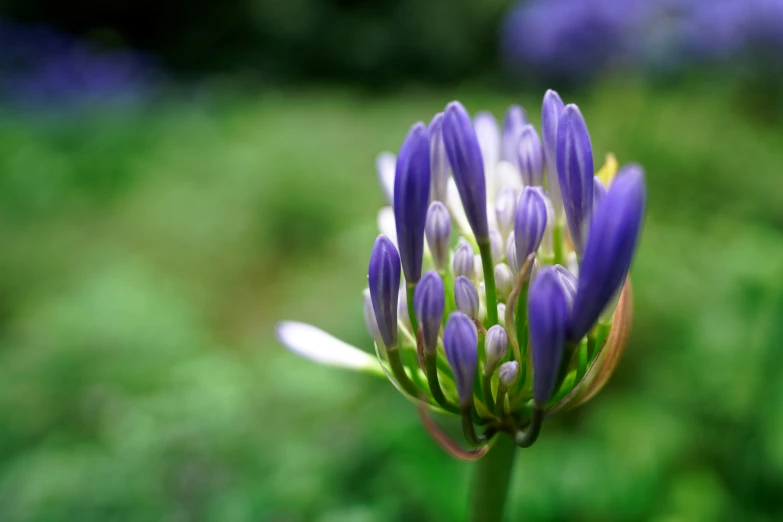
(569, 283)
(439, 163)
(531, 157)
(467, 165)
(530, 223)
(437, 229)
(460, 340)
(495, 347)
(384, 282)
(429, 302)
(463, 262)
(466, 296)
(613, 235)
(551, 110)
(575, 173)
(547, 320)
(411, 199)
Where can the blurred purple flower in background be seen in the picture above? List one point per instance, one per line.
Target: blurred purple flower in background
(44, 69)
(580, 38)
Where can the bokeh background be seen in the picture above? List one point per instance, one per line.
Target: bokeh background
(175, 177)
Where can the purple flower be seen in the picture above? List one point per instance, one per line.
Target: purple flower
(460, 340)
(613, 236)
(466, 296)
(575, 172)
(467, 164)
(547, 320)
(429, 302)
(530, 223)
(551, 110)
(531, 157)
(384, 281)
(411, 199)
(464, 261)
(437, 229)
(599, 191)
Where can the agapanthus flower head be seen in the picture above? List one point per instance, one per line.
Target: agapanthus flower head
(534, 322)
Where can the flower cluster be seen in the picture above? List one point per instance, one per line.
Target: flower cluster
(497, 290)
(578, 38)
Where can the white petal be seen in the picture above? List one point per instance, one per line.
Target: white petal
(572, 264)
(385, 164)
(454, 204)
(488, 134)
(507, 175)
(315, 344)
(386, 224)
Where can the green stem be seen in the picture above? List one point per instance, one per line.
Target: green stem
(410, 289)
(491, 481)
(393, 354)
(489, 282)
(432, 380)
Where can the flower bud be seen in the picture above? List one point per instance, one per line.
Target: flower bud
(466, 296)
(411, 199)
(551, 110)
(568, 282)
(384, 282)
(575, 173)
(437, 229)
(439, 163)
(496, 348)
(547, 320)
(488, 135)
(613, 235)
(495, 245)
(460, 340)
(463, 263)
(513, 122)
(530, 157)
(530, 223)
(511, 254)
(508, 373)
(504, 280)
(429, 302)
(467, 165)
(369, 318)
(505, 210)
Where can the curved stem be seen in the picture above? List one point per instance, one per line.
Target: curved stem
(434, 383)
(489, 282)
(410, 290)
(491, 481)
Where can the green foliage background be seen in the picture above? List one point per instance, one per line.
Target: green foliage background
(147, 256)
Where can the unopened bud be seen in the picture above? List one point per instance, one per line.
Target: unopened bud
(496, 348)
(504, 280)
(463, 263)
(438, 233)
(466, 296)
(508, 373)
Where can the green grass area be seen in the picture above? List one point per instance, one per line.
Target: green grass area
(148, 255)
